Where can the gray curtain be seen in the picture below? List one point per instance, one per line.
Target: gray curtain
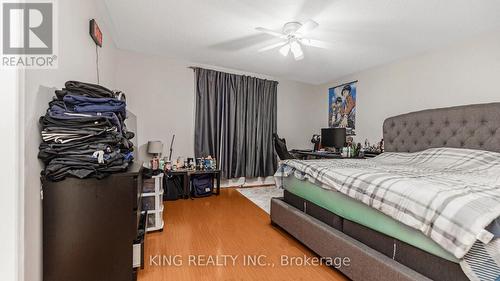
(235, 121)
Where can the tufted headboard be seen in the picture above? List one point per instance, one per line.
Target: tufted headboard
(471, 126)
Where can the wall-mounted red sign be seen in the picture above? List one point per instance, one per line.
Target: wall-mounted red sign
(95, 32)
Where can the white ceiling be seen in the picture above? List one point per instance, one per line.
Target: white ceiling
(364, 33)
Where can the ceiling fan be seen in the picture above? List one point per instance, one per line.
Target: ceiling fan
(293, 34)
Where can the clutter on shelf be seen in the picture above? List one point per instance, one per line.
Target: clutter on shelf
(189, 164)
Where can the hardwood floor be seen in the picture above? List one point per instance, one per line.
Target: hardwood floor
(198, 230)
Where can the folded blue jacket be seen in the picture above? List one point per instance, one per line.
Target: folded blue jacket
(86, 104)
(62, 114)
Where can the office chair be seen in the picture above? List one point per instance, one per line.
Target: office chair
(280, 147)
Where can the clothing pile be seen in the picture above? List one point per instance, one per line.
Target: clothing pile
(83, 133)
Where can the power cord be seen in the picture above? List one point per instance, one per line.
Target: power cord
(97, 62)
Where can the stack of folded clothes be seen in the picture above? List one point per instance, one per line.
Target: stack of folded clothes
(83, 133)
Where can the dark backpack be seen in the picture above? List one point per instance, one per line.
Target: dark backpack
(173, 187)
(202, 185)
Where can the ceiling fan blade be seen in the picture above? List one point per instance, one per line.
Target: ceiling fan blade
(271, 32)
(298, 55)
(270, 47)
(316, 43)
(307, 27)
(296, 49)
(285, 50)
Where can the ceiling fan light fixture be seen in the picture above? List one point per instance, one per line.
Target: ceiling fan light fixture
(285, 50)
(298, 54)
(293, 36)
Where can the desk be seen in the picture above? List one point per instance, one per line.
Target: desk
(371, 154)
(304, 154)
(308, 154)
(186, 179)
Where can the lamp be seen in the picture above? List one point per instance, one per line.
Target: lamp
(155, 147)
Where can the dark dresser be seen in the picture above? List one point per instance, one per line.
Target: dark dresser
(93, 229)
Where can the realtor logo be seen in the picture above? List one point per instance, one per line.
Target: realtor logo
(28, 36)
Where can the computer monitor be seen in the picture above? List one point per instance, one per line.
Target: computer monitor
(333, 137)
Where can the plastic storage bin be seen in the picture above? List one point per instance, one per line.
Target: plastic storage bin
(153, 185)
(148, 185)
(152, 202)
(155, 220)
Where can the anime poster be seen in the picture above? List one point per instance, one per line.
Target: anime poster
(342, 107)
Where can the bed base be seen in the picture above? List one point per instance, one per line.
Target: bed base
(326, 241)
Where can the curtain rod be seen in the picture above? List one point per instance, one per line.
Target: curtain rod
(194, 67)
(347, 83)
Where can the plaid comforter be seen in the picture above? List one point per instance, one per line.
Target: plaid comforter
(450, 195)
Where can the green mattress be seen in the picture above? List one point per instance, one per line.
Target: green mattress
(360, 213)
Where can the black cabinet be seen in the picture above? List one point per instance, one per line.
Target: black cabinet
(90, 227)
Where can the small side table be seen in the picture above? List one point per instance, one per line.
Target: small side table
(186, 179)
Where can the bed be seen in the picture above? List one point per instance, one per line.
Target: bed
(370, 210)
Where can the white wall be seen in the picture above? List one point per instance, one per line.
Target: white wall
(160, 92)
(77, 61)
(9, 173)
(465, 73)
(300, 113)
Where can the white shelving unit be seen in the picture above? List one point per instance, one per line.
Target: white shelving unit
(152, 202)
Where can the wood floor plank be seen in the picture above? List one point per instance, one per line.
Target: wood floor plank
(228, 224)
